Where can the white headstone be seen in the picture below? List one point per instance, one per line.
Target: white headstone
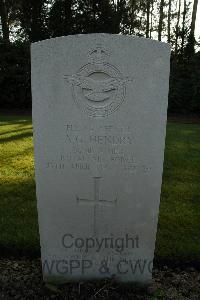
(99, 115)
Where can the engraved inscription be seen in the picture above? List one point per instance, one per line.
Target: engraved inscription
(99, 148)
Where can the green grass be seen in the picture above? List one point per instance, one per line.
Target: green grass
(179, 220)
(178, 234)
(18, 213)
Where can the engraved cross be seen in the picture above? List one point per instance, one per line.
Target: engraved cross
(96, 201)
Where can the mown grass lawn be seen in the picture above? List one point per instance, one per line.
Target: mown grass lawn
(179, 221)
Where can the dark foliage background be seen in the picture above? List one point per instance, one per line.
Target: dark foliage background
(184, 85)
(15, 81)
(37, 20)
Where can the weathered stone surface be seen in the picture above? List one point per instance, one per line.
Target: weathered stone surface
(99, 113)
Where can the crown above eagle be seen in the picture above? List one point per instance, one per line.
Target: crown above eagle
(98, 54)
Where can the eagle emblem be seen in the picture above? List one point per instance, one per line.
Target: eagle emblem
(98, 87)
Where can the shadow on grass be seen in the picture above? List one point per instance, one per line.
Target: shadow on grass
(13, 120)
(18, 218)
(15, 137)
(15, 131)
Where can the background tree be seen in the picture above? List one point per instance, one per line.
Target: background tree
(148, 5)
(161, 17)
(194, 14)
(32, 16)
(25, 21)
(120, 17)
(177, 30)
(61, 19)
(132, 7)
(190, 48)
(4, 21)
(183, 33)
(169, 21)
